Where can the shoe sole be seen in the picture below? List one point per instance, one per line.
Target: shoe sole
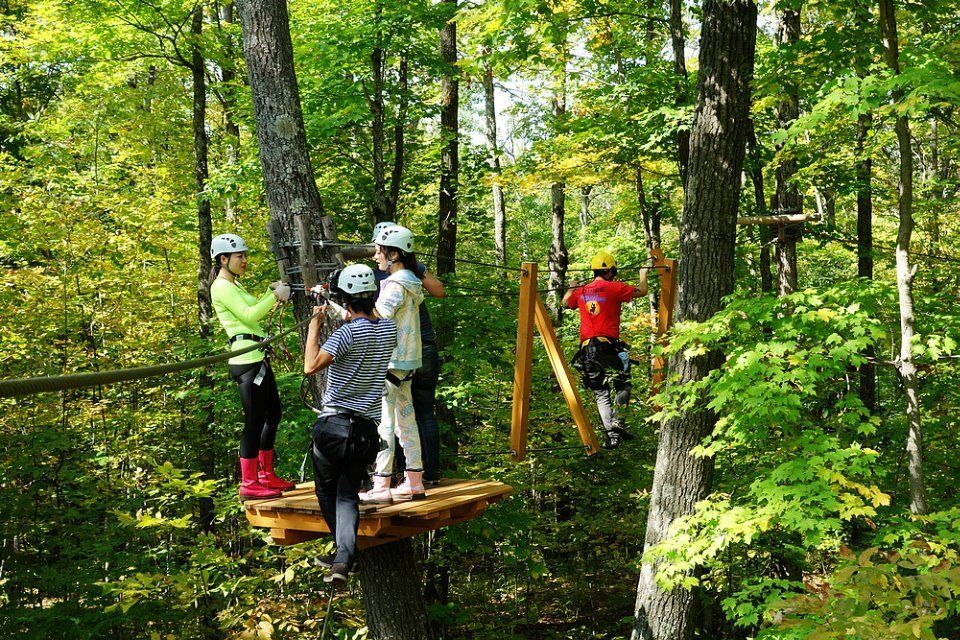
(337, 579)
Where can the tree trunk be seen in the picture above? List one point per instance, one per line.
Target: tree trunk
(206, 459)
(377, 69)
(450, 155)
(760, 202)
(399, 150)
(390, 581)
(789, 199)
(493, 159)
(707, 237)
(905, 273)
(557, 257)
(678, 40)
(864, 169)
(585, 206)
(284, 157)
(228, 76)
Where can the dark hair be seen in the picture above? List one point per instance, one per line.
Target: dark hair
(408, 259)
(360, 305)
(606, 274)
(215, 269)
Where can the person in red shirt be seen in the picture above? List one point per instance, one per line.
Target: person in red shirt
(603, 358)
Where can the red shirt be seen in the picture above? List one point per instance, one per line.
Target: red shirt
(599, 303)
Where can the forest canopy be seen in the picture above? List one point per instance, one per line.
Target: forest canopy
(792, 478)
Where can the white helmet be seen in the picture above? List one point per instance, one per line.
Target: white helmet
(227, 243)
(377, 230)
(397, 237)
(356, 279)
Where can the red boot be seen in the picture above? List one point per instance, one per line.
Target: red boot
(250, 487)
(267, 477)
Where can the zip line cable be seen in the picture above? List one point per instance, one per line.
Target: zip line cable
(41, 384)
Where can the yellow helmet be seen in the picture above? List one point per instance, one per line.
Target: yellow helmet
(603, 261)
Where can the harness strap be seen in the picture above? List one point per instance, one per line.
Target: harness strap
(245, 336)
(397, 381)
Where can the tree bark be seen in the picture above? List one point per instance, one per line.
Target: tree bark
(228, 76)
(788, 194)
(905, 273)
(390, 581)
(493, 159)
(399, 150)
(450, 154)
(760, 202)
(206, 459)
(375, 99)
(585, 206)
(557, 257)
(678, 40)
(284, 157)
(707, 237)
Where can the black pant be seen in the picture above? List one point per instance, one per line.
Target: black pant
(339, 468)
(261, 407)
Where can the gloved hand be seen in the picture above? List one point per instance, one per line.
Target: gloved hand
(274, 285)
(336, 311)
(282, 291)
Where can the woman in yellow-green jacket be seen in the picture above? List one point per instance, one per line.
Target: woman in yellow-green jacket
(241, 315)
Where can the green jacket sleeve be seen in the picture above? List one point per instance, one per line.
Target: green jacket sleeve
(230, 298)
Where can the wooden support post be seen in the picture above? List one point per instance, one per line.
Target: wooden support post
(329, 226)
(561, 369)
(668, 298)
(308, 261)
(524, 359)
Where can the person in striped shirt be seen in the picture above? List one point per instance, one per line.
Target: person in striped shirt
(345, 438)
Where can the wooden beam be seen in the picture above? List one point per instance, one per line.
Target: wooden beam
(308, 261)
(561, 369)
(520, 416)
(791, 218)
(668, 298)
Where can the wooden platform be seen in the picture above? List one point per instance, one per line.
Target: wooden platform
(295, 516)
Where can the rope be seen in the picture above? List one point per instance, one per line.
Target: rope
(30, 386)
(503, 452)
(326, 618)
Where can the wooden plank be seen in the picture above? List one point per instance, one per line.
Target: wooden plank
(520, 417)
(561, 369)
(668, 298)
(308, 261)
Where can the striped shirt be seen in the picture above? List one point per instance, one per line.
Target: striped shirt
(361, 351)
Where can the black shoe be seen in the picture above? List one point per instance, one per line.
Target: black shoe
(431, 481)
(612, 440)
(329, 560)
(338, 574)
(624, 434)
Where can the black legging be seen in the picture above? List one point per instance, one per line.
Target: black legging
(261, 408)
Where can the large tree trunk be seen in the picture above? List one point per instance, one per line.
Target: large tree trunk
(395, 608)
(905, 273)
(493, 159)
(789, 199)
(450, 155)
(678, 40)
(557, 257)
(284, 157)
(707, 237)
(206, 458)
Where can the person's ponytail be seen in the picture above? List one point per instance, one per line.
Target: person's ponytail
(214, 271)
